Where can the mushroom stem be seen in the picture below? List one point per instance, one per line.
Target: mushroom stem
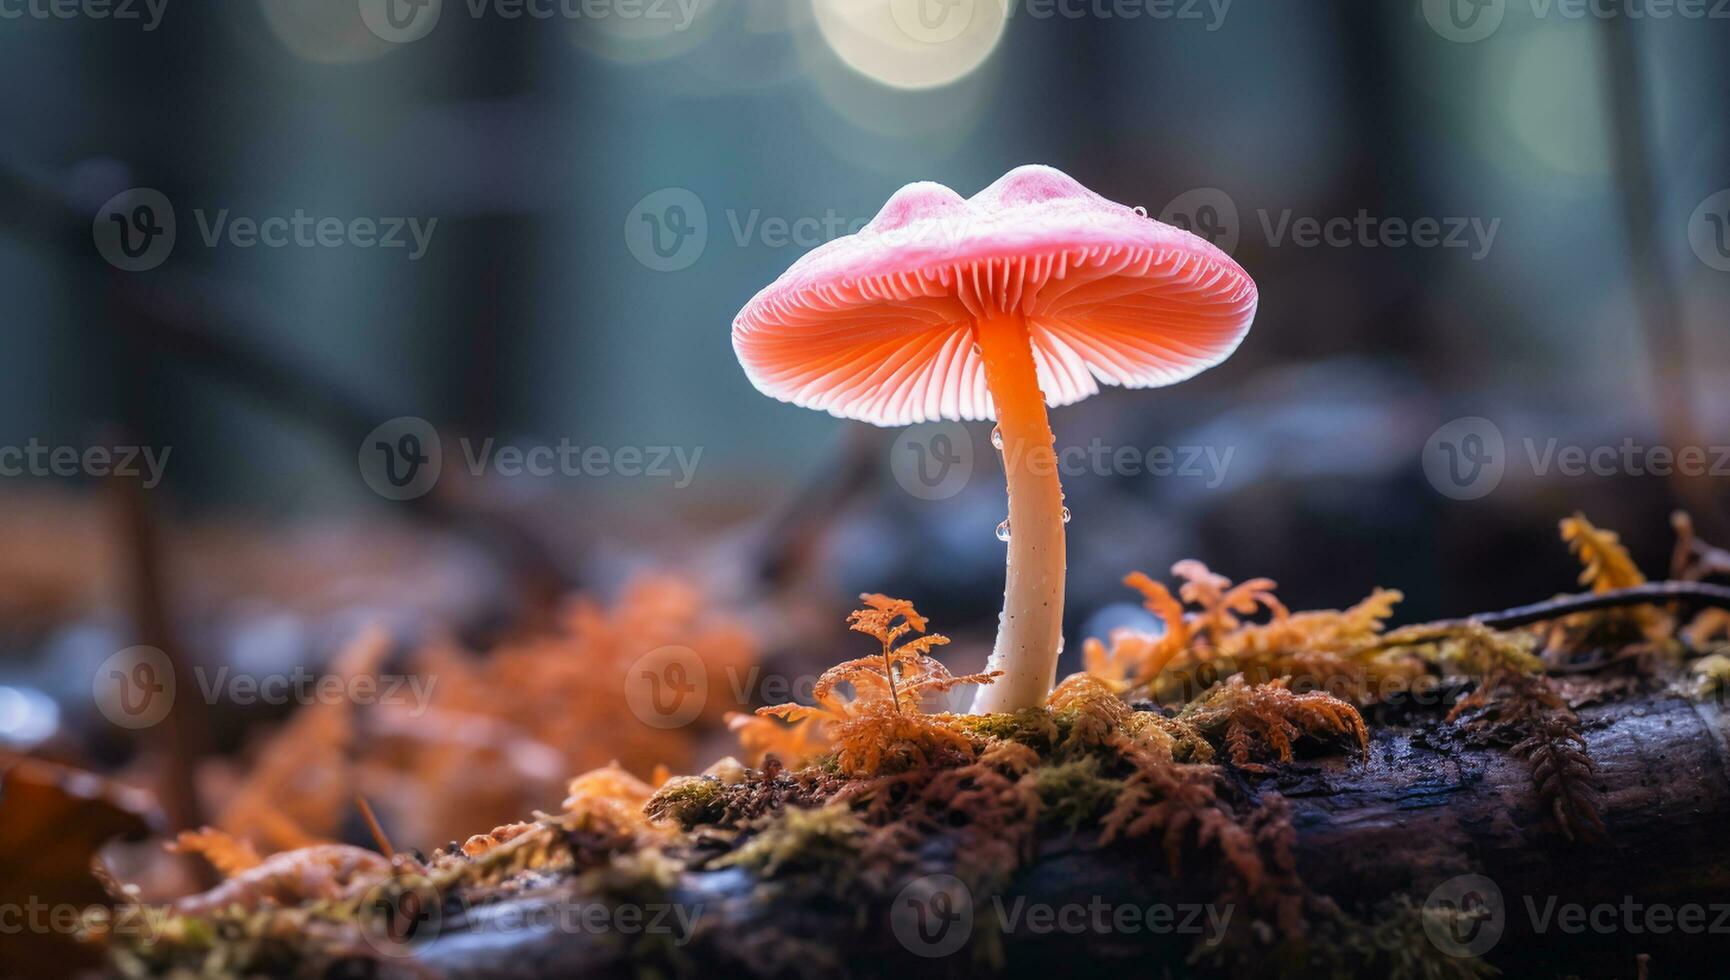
(1030, 630)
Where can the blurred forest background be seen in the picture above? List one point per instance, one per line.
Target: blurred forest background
(1579, 303)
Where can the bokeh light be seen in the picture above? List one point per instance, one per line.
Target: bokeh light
(912, 44)
(327, 31)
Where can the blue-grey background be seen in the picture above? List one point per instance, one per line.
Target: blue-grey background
(1590, 142)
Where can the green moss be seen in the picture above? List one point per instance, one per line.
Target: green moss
(1036, 728)
(1073, 794)
(1390, 943)
(826, 841)
(691, 800)
(1711, 675)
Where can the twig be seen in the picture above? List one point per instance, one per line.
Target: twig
(1652, 593)
(378, 835)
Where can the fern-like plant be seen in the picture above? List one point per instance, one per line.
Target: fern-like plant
(870, 710)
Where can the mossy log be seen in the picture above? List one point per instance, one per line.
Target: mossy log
(1426, 805)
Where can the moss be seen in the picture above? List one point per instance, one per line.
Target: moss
(821, 840)
(1711, 675)
(1391, 942)
(1073, 794)
(1036, 728)
(691, 800)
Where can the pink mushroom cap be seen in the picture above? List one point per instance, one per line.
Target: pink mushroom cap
(878, 325)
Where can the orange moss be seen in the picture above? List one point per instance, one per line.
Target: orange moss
(499, 734)
(1258, 716)
(1134, 659)
(228, 854)
(1337, 651)
(880, 725)
(1607, 566)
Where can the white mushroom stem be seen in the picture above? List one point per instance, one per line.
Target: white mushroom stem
(1030, 630)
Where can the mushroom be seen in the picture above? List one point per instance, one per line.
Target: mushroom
(1031, 293)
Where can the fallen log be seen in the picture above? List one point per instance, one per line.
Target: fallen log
(1429, 815)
